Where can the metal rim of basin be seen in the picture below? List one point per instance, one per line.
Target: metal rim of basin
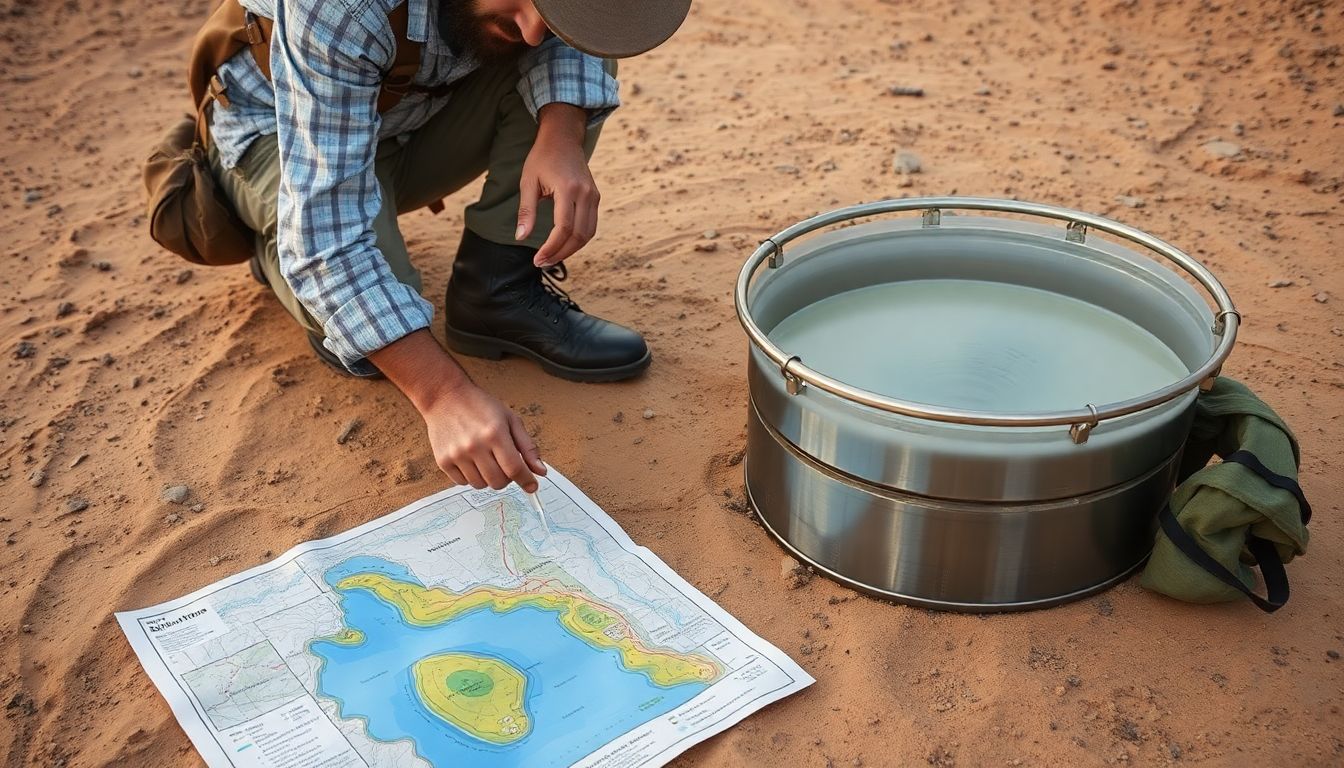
(798, 375)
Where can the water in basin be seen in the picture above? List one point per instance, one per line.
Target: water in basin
(978, 345)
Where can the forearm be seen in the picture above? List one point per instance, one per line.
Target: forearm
(558, 121)
(421, 369)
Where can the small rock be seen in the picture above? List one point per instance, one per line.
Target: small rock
(64, 308)
(710, 234)
(102, 266)
(37, 477)
(351, 427)
(649, 414)
(177, 494)
(709, 247)
(1238, 129)
(1339, 110)
(1131, 202)
(907, 162)
(81, 457)
(982, 91)
(1281, 283)
(75, 504)
(198, 507)
(1222, 149)
(1110, 66)
(32, 196)
(619, 417)
(183, 276)
(134, 73)
(904, 90)
(795, 575)
(172, 518)
(792, 170)
(1104, 607)
(1321, 297)
(25, 349)
(1333, 654)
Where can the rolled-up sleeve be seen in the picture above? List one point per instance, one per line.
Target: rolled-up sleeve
(555, 72)
(327, 61)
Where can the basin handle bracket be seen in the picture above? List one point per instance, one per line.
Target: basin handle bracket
(776, 253)
(1220, 321)
(1083, 429)
(1076, 232)
(933, 217)
(792, 382)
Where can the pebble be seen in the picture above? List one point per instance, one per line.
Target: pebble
(709, 247)
(904, 90)
(1280, 283)
(648, 413)
(64, 308)
(172, 518)
(177, 494)
(198, 507)
(183, 276)
(983, 91)
(24, 349)
(1333, 654)
(710, 234)
(81, 457)
(351, 427)
(37, 477)
(907, 162)
(792, 170)
(1131, 202)
(1222, 148)
(1321, 297)
(619, 417)
(75, 504)
(1339, 110)
(32, 196)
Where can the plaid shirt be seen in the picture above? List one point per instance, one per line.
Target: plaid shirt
(327, 63)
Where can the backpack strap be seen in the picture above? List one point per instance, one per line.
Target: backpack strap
(1265, 554)
(231, 28)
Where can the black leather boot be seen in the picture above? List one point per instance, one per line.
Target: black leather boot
(498, 303)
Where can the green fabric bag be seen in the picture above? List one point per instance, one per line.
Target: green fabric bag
(1227, 517)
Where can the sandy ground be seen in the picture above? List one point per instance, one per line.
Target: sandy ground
(124, 372)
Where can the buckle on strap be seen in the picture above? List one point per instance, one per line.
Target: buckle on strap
(253, 29)
(218, 91)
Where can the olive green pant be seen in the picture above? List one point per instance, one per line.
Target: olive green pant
(484, 128)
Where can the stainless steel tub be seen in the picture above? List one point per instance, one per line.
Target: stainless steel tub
(962, 509)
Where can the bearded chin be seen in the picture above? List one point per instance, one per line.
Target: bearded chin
(462, 27)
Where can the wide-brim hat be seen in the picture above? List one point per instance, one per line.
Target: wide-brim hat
(613, 29)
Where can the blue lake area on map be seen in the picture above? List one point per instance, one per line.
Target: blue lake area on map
(578, 697)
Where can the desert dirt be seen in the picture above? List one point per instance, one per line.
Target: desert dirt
(1216, 125)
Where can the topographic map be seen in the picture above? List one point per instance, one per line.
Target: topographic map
(458, 631)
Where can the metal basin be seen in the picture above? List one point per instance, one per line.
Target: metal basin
(972, 412)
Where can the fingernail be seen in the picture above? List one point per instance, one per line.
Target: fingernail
(518, 235)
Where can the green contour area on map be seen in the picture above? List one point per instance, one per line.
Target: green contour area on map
(480, 695)
(581, 616)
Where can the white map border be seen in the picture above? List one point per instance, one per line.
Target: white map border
(193, 720)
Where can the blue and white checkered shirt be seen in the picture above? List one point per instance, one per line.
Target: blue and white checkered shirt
(327, 63)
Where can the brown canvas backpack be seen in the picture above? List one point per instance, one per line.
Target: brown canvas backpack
(188, 213)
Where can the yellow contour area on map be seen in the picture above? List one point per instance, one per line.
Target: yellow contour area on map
(583, 618)
(480, 695)
(347, 636)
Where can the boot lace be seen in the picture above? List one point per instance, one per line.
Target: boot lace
(549, 297)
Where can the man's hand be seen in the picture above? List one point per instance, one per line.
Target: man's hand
(557, 168)
(476, 440)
